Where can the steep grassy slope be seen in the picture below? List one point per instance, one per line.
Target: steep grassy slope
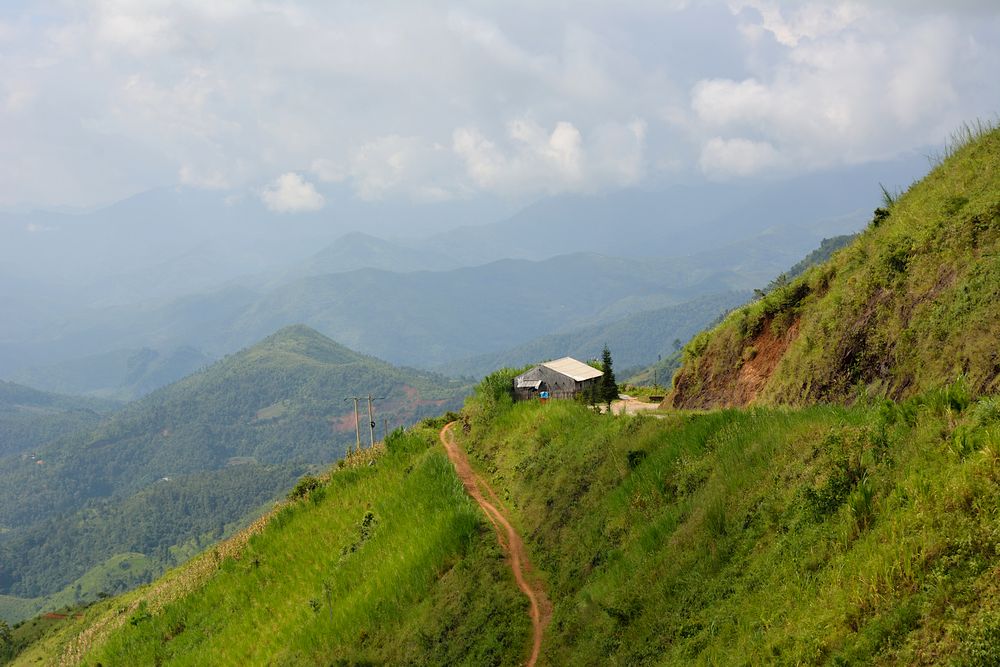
(184, 466)
(388, 561)
(663, 370)
(29, 417)
(822, 535)
(912, 303)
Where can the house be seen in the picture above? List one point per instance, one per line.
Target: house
(562, 378)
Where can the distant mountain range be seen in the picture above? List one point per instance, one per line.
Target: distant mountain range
(635, 340)
(180, 267)
(418, 317)
(120, 374)
(189, 460)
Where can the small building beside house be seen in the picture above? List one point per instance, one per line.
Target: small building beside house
(562, 378)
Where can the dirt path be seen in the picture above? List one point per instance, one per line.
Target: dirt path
(541, 608)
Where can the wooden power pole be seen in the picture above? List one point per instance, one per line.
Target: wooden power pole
(371, 420)
(357, 422)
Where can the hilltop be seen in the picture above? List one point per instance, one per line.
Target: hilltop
(912, 303)
(184, 466)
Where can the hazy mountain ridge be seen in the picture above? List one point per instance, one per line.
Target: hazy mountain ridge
(195, 456)
(29, 417)
(409, 317)
(121, 374)
(636, 340)
(74, 281)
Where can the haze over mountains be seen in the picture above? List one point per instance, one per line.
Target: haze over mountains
(182, 466)
(228, 230)
(184, 270)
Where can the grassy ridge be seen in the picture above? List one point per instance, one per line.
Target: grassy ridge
(913, 303)
(822, 535)
(387, 562)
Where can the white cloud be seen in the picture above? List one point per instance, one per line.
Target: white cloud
(809, 20)
(410, 166)
(328, 171)
(291, 193)
(723, 158)
(428, 101)
(537, 160)
(838, 91)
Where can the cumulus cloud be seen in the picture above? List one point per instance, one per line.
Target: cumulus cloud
(428, 101)
(793, 24)
(838, 91)
(723, 158)
(536, 159)
(291, 193)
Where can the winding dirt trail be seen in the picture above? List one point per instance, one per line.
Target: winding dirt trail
(510, 540)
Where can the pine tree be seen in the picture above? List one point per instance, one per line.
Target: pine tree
(608, 387)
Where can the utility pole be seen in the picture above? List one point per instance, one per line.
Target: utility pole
(371, 419)
(357, 423)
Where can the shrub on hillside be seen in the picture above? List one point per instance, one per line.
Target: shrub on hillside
(304, 486)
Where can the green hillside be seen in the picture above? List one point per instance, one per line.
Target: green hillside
(386, 562)
(819, 535)
(29, 417)
(913, 303)
(182, 467)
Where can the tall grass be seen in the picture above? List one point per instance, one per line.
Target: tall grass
(388, 562)
(708, 548)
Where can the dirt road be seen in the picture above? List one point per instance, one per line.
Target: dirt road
(510, 541)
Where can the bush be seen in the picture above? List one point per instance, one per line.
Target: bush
(305, 485)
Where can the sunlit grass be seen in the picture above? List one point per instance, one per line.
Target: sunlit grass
(771, 535)
(367, 567)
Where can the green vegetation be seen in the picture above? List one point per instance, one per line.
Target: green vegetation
(821, 535)
(121, 374)
(913, 303)
(818, 256)
(29, 418)
(385, 560)
(192, 462)
(829, 533)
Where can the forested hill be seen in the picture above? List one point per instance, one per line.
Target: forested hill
(192, 458)
(912, 303)
(29, 417)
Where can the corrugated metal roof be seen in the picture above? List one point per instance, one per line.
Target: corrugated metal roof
(577, 370)
(525, 384)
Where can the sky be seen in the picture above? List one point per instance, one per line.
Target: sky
(437, 101)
